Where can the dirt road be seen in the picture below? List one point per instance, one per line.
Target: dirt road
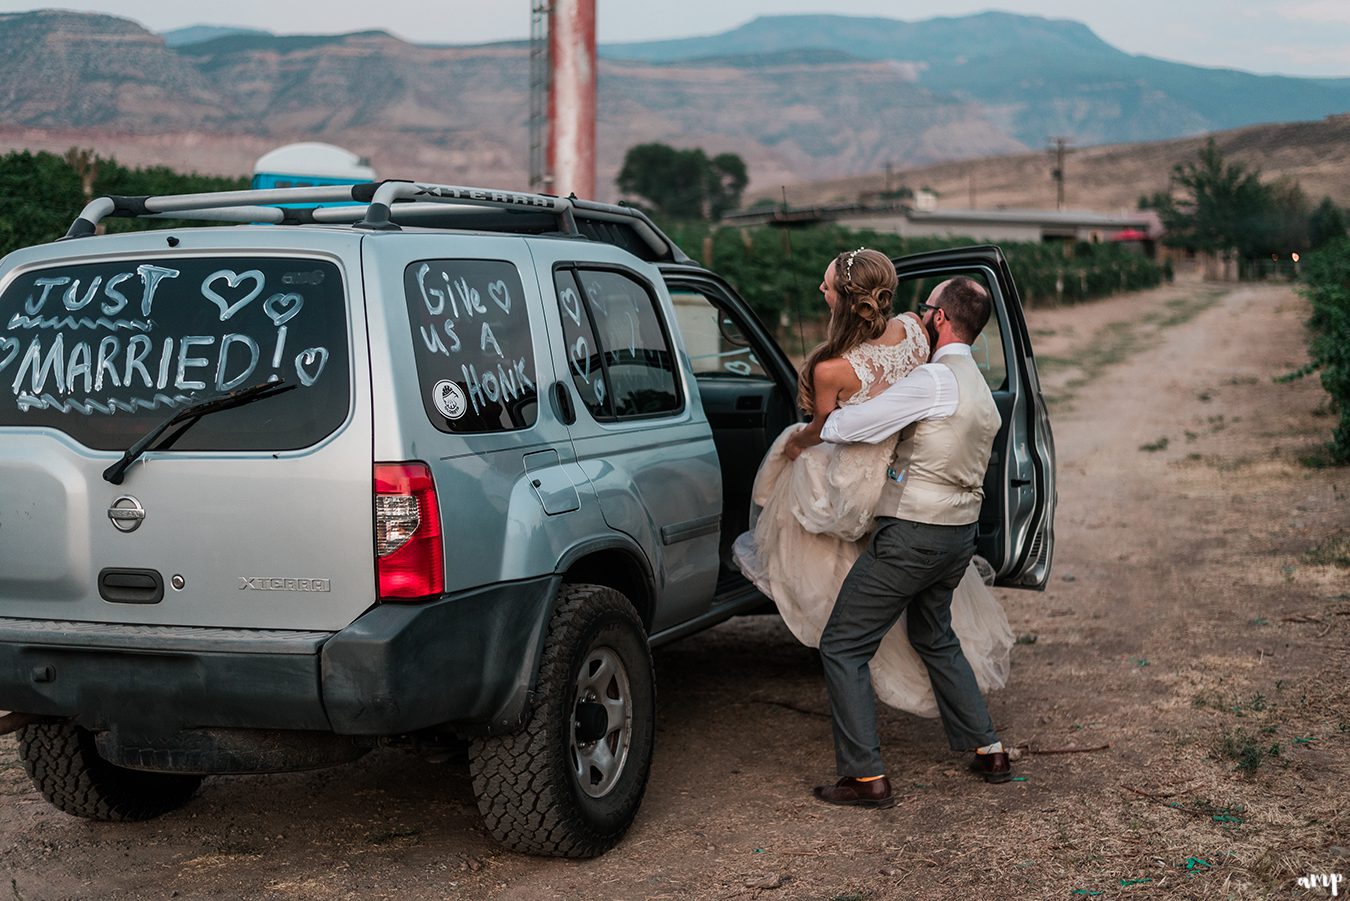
(1198, 623)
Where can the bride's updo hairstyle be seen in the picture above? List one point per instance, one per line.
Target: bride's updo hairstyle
(864, 281)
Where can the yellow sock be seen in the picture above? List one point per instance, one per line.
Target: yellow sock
(870, 778)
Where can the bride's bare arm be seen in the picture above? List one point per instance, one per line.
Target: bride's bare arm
(832, 378)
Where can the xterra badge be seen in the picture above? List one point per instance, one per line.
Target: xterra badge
(261, 584)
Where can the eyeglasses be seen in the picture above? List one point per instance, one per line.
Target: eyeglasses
(925, 307)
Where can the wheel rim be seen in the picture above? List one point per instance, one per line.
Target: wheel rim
(602, 722)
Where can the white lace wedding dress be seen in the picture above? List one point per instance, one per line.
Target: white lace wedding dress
(810, 523)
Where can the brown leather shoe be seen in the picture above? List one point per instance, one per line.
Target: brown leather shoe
(855, 793)
(994, 767)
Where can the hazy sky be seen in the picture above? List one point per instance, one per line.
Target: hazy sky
(1292, 37)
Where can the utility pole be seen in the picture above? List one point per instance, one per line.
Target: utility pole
(540, 178)
(1059, 149)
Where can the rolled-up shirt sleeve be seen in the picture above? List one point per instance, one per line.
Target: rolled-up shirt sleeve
(923, 394)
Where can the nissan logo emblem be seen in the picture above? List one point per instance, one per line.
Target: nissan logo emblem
(126, 513)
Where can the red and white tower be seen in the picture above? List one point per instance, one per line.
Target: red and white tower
(571, 97)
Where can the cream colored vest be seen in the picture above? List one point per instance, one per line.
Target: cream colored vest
(941, 462)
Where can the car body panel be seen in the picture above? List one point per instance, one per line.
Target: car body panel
(258, 539)
(656, 479)
(749, 396)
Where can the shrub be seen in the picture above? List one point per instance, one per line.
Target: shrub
(41, 193)
(39, 198)
(777, 270)
(1327, 286)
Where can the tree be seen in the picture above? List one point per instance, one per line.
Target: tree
(728, 170)
(1283, 227)
(85, 164)
(683, 184)
(1218, 207)
(114, 178)
(40, 196)
(42, 193)
(1326, 224)
(1158, 200)
(1226, 210)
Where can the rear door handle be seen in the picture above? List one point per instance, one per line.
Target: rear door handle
(562, 404)
(130, 586)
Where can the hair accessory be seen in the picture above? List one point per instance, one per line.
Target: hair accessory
(848, 264)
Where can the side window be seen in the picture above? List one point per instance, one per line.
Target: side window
(472, 344)
(619, 354)
(583, 352)
(715, 343)
(988, 347)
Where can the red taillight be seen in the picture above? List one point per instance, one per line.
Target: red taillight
(408, 555)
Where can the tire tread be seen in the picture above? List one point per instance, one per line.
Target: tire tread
(524, 807)
(67, 771)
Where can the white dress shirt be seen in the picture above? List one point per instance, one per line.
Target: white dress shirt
(929, 392)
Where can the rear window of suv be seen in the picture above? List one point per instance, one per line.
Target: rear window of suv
(106, 351)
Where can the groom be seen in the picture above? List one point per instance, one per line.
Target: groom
(924, 538)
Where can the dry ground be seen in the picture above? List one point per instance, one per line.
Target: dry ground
(1198, 623)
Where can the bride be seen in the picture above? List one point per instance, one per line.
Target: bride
(815, 512)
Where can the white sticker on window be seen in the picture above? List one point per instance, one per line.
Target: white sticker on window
(449, 399)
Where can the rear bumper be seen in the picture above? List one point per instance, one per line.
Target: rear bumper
(468, 659)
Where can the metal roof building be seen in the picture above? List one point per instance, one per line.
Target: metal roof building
(983, 225)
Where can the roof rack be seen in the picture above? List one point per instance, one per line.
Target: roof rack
(381, 206)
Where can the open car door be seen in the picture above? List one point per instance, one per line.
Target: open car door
(1017, 519)
(748, 387)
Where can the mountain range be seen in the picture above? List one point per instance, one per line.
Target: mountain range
(801, 98)
(1034, 76)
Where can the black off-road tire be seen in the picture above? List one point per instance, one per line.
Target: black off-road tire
(528, 793)
(65, 767)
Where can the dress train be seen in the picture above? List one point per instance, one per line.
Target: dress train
(809, 525)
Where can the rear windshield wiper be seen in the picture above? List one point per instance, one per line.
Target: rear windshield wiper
(190, 414)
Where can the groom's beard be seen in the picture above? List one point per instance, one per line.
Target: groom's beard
(932, 337)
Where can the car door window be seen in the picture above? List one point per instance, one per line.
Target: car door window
(583, 351)
(714, 340)
(989, 349)
(618, 351)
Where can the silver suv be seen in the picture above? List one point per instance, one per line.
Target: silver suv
(396, 463)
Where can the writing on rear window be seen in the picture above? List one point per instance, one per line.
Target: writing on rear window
(122, 340)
